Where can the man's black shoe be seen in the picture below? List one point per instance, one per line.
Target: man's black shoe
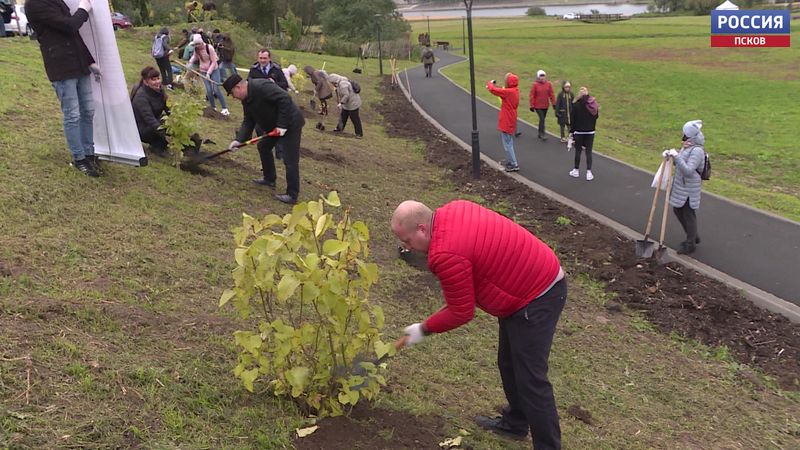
(94, 161)
(687, 247)
(85, 167)
(518, 134)
(263, 182)
(286, 198)
(498, 426)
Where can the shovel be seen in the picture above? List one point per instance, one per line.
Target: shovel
(200, 159)
(359, 370)
(645, 247)
(662, 250)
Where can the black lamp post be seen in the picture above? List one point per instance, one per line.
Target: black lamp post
(429, 26)
(380, 47)
(476, 146)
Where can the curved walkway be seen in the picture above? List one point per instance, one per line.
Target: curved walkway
(759, 249)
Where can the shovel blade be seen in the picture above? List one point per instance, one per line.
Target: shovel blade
(661, 255)
(645, 248)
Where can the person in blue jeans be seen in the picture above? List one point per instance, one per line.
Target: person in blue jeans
(69, 64)
(507, 119)
(208, 61)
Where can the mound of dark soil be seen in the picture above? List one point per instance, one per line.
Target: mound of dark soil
(371, 429)
(672, 297)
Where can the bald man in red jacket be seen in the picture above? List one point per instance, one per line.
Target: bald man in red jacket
(485, 260)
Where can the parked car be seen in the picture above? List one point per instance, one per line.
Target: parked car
(119, 20)
(15, 26)
(570, 16)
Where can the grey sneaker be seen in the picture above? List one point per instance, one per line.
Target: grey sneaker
(498, 426)
(510, 168)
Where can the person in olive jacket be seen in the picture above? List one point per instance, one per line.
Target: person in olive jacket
(271, 108)
(68, 64)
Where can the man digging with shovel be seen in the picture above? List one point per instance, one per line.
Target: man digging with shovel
(267, 105)
(486, 260)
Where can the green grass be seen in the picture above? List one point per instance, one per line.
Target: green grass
(112, 338)
(650, 76)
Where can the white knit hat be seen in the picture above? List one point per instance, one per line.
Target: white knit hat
(540, 73)
(692, 128)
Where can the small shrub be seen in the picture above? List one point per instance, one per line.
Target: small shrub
(304, 277)
(181, 123)
(535, 11)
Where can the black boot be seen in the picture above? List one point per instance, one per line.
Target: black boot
(687, 247)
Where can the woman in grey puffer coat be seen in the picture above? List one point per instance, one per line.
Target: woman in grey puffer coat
(686, 184)
(349, 103)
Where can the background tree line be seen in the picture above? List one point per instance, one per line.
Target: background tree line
(352, 20)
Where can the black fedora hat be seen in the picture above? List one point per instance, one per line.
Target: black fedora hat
(232, 81)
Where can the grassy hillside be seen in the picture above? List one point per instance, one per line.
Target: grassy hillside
(111, 336)
(652, 75)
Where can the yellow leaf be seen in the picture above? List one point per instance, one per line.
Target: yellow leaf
(450, 443)
(333, 247)
(248, 377)
(239, 254)
(333, 199)
(226, 296)
(320, 228)
(303, 432)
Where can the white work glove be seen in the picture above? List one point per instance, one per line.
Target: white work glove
(95, 69)
(277, 132)
(234, 145)
(414, 333)
(208, 74)
(296, 91)
(339, 105)
(672, 152)
(85, 5)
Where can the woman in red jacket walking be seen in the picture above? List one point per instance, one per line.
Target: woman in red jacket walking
(542, 97)
(507, 120)
(485, 260)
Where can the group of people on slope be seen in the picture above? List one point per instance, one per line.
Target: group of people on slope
(577, 115)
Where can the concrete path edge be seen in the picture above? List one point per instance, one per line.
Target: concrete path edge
(759, 297)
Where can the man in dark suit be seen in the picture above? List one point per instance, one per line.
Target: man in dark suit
(271, 108)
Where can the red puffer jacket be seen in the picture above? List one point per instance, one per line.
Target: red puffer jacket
(507, 121)
(486, 260)
(541, 93)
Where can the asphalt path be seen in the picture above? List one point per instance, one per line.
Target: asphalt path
(757, 248)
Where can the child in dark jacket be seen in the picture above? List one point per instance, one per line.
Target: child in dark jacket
(564, 108)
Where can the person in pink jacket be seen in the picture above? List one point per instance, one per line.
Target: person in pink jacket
(542, 96)
(507, 120)
(207, 58)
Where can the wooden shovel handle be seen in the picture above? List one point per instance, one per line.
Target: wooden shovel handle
(400, 342)
(666, 205)
(655, 199)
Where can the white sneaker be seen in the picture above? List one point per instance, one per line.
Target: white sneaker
(589, 176)
(574, 173)
(225, 112)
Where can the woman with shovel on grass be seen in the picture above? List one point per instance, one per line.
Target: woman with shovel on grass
(687, 183)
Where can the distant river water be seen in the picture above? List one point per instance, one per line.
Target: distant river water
(624, 8)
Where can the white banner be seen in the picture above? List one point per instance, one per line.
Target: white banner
(116, 137)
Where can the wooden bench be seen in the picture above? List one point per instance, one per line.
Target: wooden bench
(444, 45)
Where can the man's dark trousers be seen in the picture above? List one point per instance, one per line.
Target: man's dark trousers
(523, 351)
(291, 159)
(542, 113)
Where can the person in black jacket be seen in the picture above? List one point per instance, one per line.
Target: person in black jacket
(564, 108)
(149, 104)
(266, 68)
(68, 64)
(585, 112)
(271, 108)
